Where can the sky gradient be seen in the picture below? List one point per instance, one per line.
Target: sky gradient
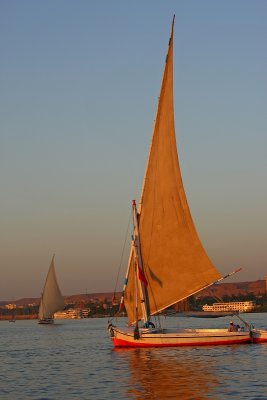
(79, 87)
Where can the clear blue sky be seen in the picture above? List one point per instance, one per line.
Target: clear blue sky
(79, 84)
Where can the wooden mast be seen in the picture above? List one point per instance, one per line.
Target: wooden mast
(139, 269)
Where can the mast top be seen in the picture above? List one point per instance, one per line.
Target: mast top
(173, 19)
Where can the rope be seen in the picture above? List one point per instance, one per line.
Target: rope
(122, 255)
(121, 258)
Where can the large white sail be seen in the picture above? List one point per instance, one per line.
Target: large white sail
(175, 263)
(52, 299)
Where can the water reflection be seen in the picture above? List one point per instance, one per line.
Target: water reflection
(167, 374)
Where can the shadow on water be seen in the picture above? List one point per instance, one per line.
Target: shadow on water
(155, 373)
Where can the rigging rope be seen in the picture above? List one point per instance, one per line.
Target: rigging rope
(122, 256)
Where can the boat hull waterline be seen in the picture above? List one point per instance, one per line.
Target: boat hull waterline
(259, 336)
(47, 321)
(177, 338)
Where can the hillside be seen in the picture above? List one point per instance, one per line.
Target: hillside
(230, 289)
(256, 287)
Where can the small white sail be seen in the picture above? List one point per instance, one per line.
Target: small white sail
(52, 299)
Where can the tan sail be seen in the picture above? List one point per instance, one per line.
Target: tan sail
(52, 299)
(131, 292)
(174, 261)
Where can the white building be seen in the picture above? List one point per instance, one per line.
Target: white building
(242, 306)
(10, 306)
(72, 313)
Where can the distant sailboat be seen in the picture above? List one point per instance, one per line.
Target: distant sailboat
(167, 262)
(13, 313)
(51, 299)
(13, 317)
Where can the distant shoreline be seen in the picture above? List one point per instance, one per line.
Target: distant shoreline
(258, 287)
(35, 316)
(18, 317)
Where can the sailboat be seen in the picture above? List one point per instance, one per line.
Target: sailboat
(167, 261)
(51, 299)
(13, 316)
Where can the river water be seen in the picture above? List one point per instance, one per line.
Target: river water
(74, 359)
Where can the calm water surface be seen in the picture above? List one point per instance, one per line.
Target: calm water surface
(74, 359)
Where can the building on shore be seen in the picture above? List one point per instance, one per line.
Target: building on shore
(72, 313)
(10, 306)
(242, 306)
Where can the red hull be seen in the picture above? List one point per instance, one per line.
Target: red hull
(259, 336)
(125, 343)
(259, 340)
